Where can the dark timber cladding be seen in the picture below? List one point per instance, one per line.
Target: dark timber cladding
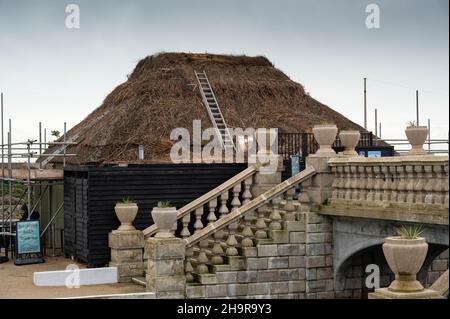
(90, 194)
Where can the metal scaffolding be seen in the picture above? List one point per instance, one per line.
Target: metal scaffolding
(33, 176)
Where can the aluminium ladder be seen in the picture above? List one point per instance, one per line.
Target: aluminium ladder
(214, 112)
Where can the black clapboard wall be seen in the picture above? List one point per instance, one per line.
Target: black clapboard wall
(90, 194)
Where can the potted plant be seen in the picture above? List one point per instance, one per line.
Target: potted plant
(417, 136)
(325, 135)
(164, 216)
(349, 140)
(126, 211)
(405, 255)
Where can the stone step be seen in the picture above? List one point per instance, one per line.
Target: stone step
(205, 279)
(139, 280)
(231, 263)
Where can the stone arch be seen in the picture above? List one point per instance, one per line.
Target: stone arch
(343, 262)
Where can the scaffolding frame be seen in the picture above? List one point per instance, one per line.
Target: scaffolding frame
(28, 150)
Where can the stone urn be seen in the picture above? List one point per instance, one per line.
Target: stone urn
(417, 136)
(325, 136)
(265, 138)
(349, 140)
(126, 213)
(405, 257)
(164, 219)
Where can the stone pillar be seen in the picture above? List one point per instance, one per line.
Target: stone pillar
(126, 253)
(165, 267)
(268, 173)
(319, 230)
(320, 189)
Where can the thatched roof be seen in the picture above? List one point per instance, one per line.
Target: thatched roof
(161, 94)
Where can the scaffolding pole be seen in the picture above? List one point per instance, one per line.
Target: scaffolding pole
(3, 181)
(27, 150)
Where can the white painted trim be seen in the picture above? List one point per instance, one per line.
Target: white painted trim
(76, 277)
(134, 295)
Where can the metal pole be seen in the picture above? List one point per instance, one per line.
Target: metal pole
(429, 136)
(10, 186)
(3, 179)
(376, 122)
(365, 104)
(379, 131)
(40, 142)
(45, 138)
(376, 127)
(417, 107)
(40, 164)
(29, 179)
(65, 131)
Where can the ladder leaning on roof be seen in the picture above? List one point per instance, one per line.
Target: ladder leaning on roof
(214, 112)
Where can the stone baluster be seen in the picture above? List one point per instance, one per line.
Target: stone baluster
(387, 184)
(231, 241)
(394, 183)
(401, 186)
(198, 225)
(247, 194)
(217, 250)
(429, 196)
(260, 224)
(202, 258)
(212, 205)
(362, 181)
(410, 183)
(223, 211)
(354, 185)
(348, 182)
(289, 207)
(335, 184)
(369, 185)
(275, 217)
(438, 187)
(185, 233)
(378, 183)
(446, 186)
(341, 184)
(419, 187)
(247, 232)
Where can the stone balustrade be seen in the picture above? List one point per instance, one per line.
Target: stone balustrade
(229, 233)
(416, 184)
(207, 203)
(224, 242)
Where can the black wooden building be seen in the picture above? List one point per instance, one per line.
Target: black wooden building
(91, 192)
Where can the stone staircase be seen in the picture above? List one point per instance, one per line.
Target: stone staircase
(273, 268)
(253, 244)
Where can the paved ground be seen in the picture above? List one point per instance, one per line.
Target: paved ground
(17, 282)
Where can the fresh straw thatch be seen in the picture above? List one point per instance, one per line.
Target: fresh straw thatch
(161, 94)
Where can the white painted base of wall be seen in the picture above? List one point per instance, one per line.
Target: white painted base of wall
(76, 277)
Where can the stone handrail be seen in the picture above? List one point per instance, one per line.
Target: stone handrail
(197, 204)
(220, 237)
(411, 183)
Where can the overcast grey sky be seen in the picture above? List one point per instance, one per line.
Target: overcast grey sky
(53, 74)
